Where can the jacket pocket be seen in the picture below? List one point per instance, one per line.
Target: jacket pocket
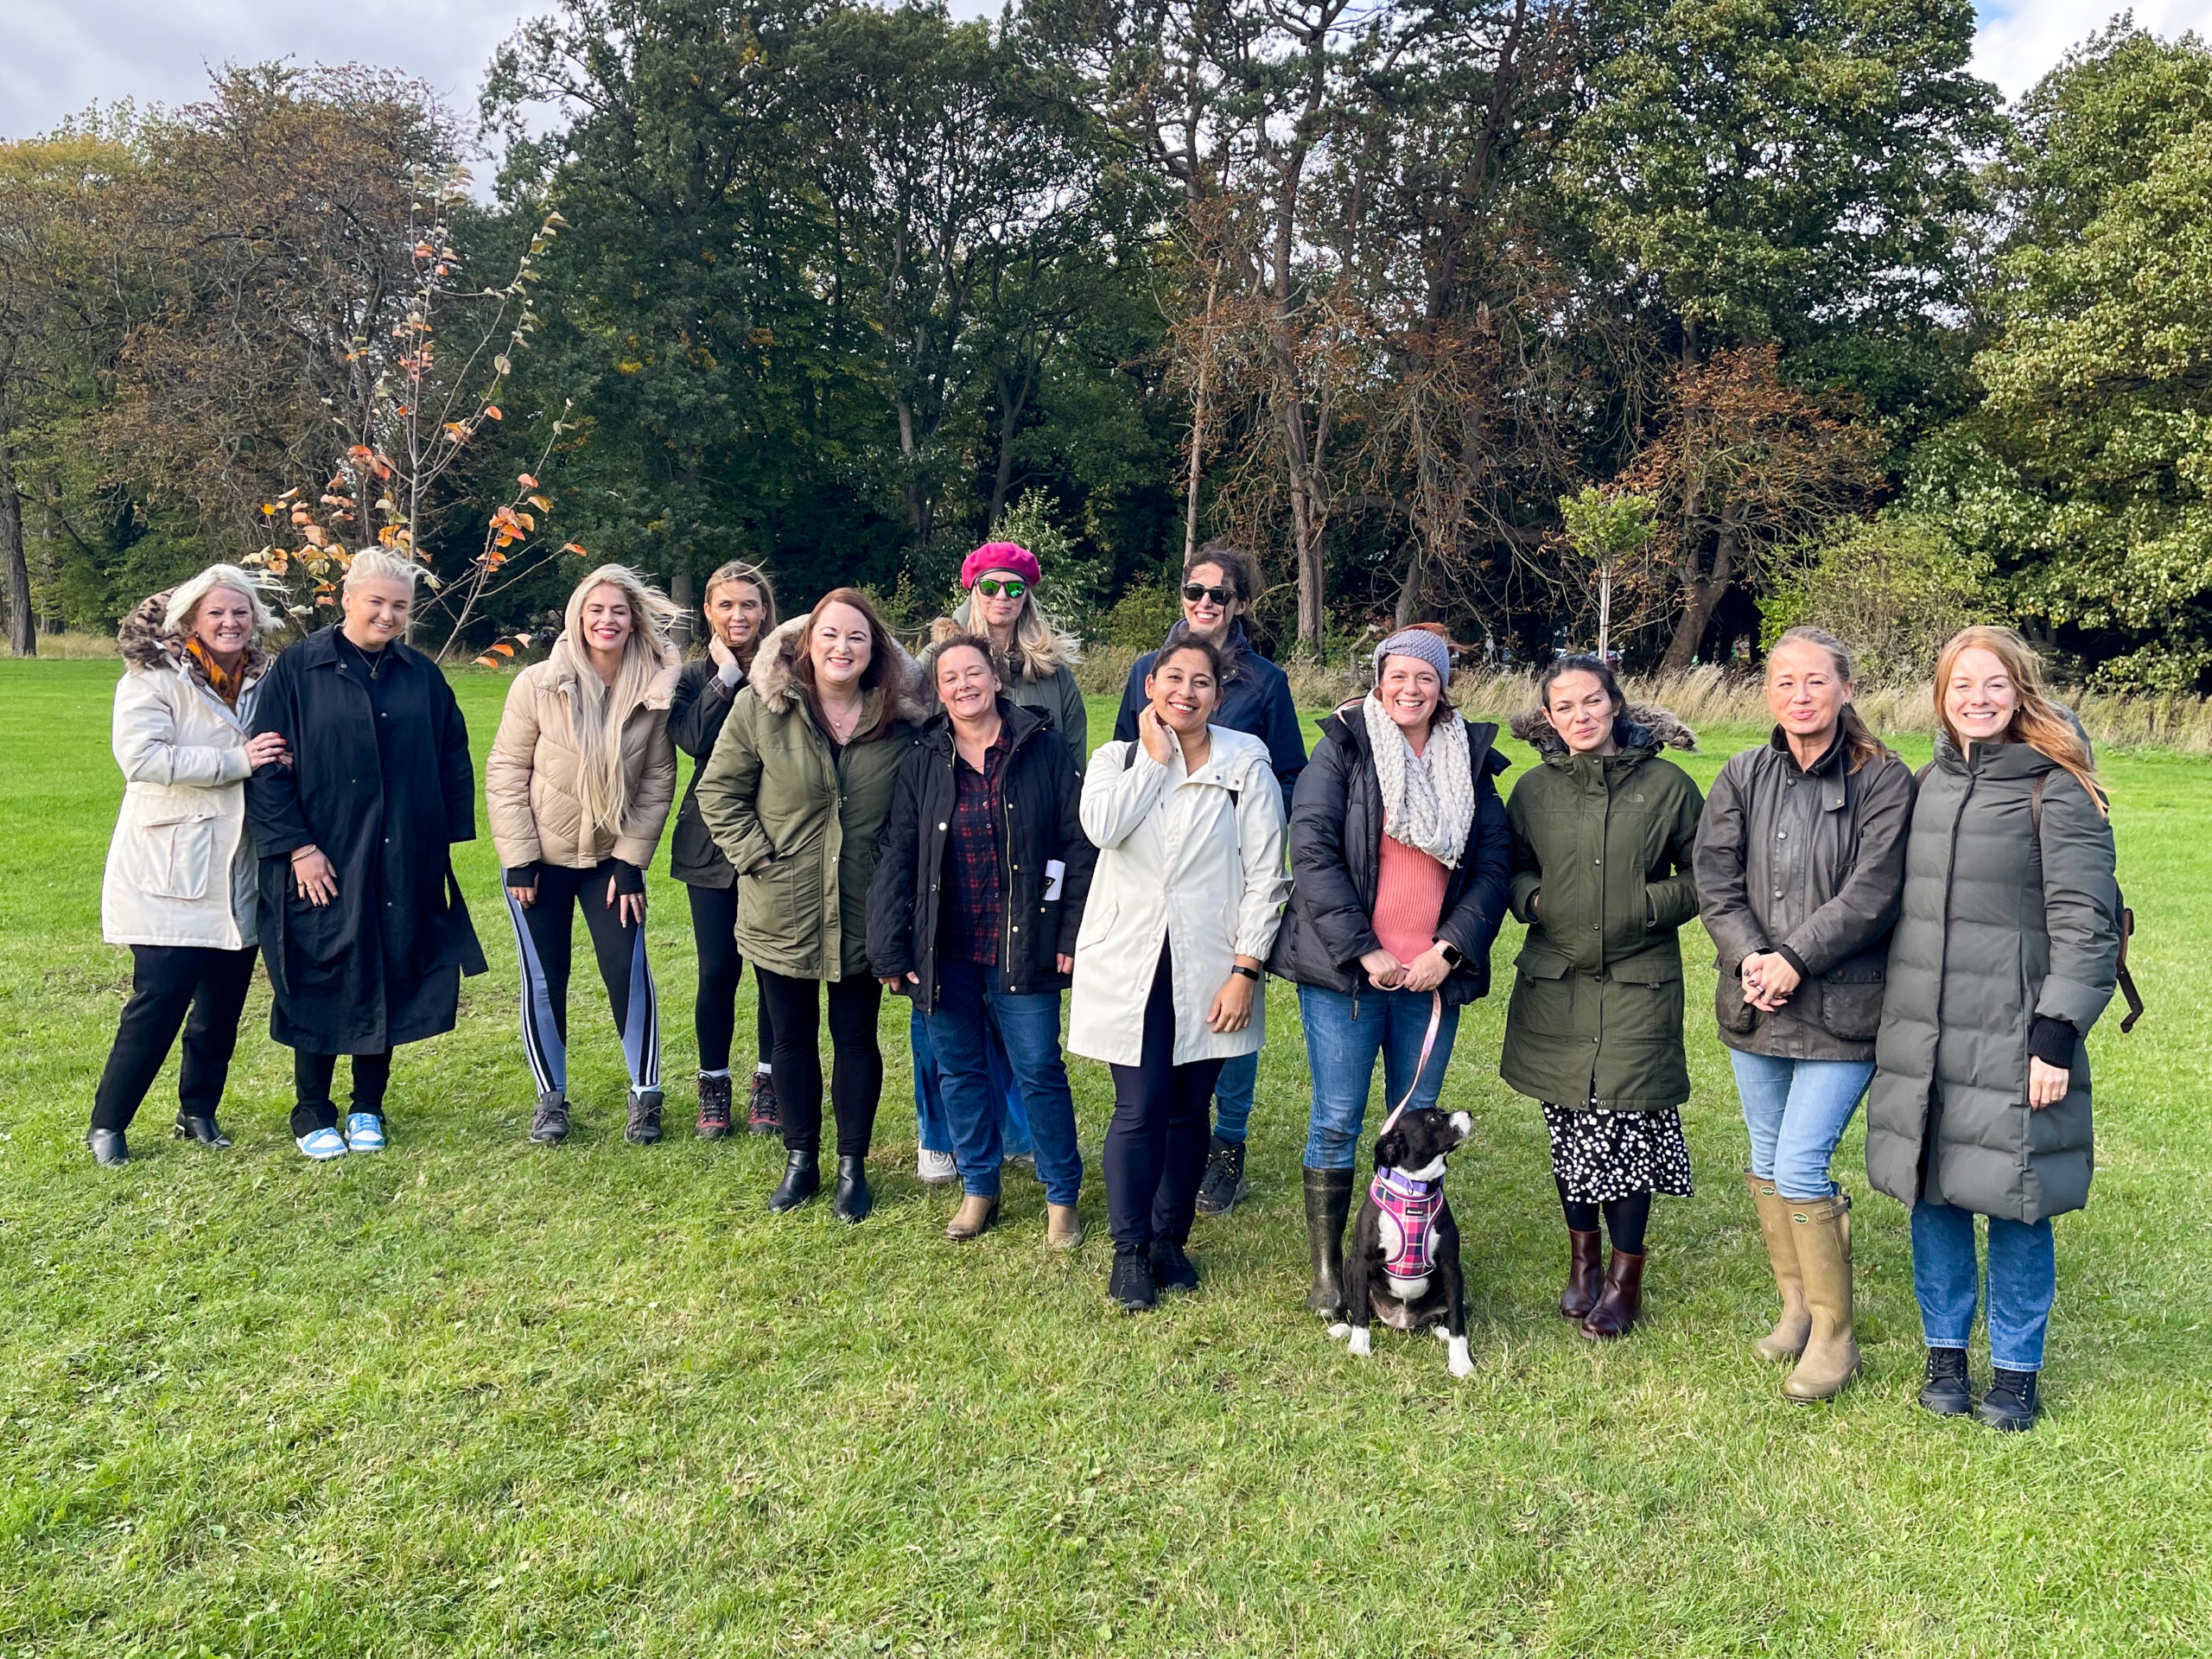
(1097, 922)
(1850, 1004)
(782, 901)
(1543, 994)
(1735, 1016)
(175, 851)
(318, 934)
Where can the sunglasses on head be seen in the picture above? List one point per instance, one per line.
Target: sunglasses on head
(992, 587)
(1195, 591)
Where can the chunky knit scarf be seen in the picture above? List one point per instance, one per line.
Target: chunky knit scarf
(1428, 800)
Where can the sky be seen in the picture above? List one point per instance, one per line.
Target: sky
(59, 56)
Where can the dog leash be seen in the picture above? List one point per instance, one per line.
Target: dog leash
(1427, 1047)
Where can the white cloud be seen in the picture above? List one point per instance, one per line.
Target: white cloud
(57, 56)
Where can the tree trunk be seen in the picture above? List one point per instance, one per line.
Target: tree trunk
(1410, 590)
(1701, 597)
(680, 590)
(1201, 407)
(22, 632)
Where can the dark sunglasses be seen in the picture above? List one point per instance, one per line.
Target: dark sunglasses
(1195, 591)
(991, 588)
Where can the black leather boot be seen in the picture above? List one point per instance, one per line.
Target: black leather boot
(2010, 1403)
(852, 1200)
(802, 1181)
(1328, 1204)
(107, 1147)
(205, 1130)
(1946, 1392)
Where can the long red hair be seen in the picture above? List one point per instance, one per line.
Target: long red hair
(2036, 721)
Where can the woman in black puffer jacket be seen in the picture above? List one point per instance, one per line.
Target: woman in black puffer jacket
(2005, 952)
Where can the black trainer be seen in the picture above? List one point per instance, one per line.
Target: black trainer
(1946, 1392)
(2010, 1403)
(1171, 1267)
(1224, 1181)
(1131, 1285)
(548, 1124)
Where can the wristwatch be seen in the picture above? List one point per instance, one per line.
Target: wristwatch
(1451, 953)
(1252, 974)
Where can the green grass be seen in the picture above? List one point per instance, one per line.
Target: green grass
(472, 1397)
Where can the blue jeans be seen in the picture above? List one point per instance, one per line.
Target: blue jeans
(970, 1008)
(1340, 1049)
(934, 1132)
(2023, 1281)
(1796, 1110)
(1232, 1095)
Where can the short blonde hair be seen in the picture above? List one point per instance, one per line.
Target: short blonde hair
(375, 564)
(184, 599)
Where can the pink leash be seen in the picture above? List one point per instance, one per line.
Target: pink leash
(1427, 1048)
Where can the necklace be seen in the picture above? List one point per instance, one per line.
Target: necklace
(841, 722)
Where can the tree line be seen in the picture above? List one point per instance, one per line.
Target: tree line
(1778, 296)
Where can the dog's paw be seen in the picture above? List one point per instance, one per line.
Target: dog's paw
(1340, 1331)
(1362, 1343)
(1462, 1364)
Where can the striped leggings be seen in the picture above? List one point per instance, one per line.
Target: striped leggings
(543, 935)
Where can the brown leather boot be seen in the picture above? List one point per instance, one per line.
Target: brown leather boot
(1821, 1231)
(1063, 1231)
(1583, 1252)
(1787, 1339)
(1620, 1299)
(973, 1218)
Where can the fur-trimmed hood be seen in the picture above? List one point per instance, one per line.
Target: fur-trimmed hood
(1644, 727)
(897, 696)
(147, 644)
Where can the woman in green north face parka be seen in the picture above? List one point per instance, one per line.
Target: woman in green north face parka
(2005, 955)
(1603, 834)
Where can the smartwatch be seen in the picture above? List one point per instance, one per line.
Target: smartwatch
(1451, 953)
(1252, 974)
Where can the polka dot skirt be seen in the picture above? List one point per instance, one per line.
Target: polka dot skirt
(1600, 1156)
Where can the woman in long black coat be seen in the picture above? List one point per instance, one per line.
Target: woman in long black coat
(362, 924)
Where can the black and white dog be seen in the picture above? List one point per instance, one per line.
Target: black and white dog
(1402, 1266)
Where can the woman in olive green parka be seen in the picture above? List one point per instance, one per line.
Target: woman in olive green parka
(799, 783)
(1603, 835)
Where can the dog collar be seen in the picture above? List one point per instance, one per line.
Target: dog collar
(1408, 1215)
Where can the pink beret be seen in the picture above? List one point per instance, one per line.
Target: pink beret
(1000, 555)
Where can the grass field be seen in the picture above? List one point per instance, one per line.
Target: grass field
(473, 1397)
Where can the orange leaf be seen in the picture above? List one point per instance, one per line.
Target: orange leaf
(525, 481)
(492, 409)
(485, 662)
(503, 650)
(570, 547)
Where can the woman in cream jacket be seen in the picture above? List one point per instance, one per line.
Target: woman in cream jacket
(578, 786)
(180, 884)
(1183, 910)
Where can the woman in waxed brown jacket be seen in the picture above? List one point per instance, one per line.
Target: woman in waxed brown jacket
(578, 786)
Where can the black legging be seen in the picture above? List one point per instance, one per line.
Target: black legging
(1156, 1140)
(167, 981)
(544, 939)
(312, 1075)
(714, 1010)
(1625, 1218)
(856, 1071)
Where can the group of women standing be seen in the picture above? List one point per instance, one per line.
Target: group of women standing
(860, 821)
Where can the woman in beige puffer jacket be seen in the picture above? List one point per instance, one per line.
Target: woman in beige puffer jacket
(578, 788)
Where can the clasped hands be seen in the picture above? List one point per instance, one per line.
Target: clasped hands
(1769, 980)
(1424, 973)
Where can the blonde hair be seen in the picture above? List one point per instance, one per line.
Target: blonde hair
(745, 571)
(2036, 721)
(599, 710)
(1859, 745)
(1040, 645)
(185, 599)
(375, 564)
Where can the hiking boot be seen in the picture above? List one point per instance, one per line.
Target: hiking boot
(204, 1130)
(548, 1124)
(761, 1115)
(1328, 1204)
(2010, 1401)
(1947, 1392)
(644, 1126)
(1171, 1268)
(1620, 1299)
(1224, 1181)
(714, 1107)
(1131, 1284)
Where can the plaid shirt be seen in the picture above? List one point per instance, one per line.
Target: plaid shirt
(973, 906)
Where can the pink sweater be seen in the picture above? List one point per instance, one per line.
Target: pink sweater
(1408, 900)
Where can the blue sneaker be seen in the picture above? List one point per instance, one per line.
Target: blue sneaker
(322, 1145)
(364, 1131)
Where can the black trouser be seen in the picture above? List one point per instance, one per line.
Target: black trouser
(1625, 1218)
(714, 1010)
(312, 1075)
(543, 935)
(1156, 1140)
(856, 1071)
(166, 980)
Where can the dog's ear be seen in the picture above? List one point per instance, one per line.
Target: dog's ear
(1390, 1149)
(1464, 1122)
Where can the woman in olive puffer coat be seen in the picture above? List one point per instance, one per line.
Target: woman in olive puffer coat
(1603, 833)
(2005, 954)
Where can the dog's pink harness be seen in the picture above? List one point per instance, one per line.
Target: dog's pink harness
(1406, 1222)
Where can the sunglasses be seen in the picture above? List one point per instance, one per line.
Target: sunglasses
(1195, 591)
(991, 588)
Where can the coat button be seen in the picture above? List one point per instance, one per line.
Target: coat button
(940, 829)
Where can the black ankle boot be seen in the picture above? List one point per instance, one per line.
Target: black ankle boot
(2011, 1403)
(205, 1130)
(107, 1147)
(802, 1181)
(1131, 1285)
(1946, 1392)
(1223, 1182)
(852, 1200)
(1171, 1267)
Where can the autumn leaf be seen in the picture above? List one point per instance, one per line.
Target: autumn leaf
(492, 409)
(525, 481)
(503, 650)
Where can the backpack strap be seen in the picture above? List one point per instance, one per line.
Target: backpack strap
(1129, 758)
